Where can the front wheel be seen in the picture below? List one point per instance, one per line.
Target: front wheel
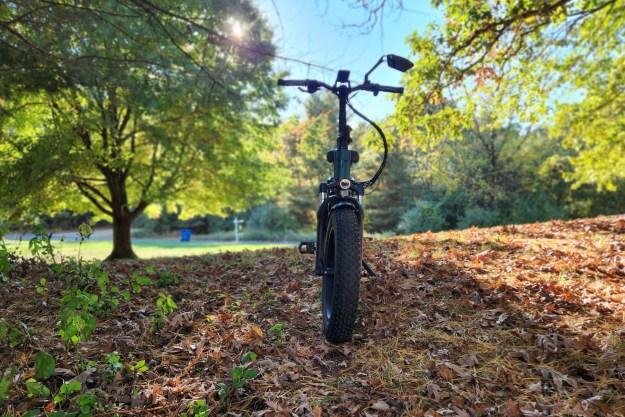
(341, 279)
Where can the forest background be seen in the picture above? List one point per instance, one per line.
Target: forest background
(507, 156)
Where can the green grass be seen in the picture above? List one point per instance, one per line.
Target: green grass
(144, 248)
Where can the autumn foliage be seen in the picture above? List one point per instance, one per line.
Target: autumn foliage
(508, 321)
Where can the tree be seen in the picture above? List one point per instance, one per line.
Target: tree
(396, 189)
(302, 153)
(119, 105)
(512, 60)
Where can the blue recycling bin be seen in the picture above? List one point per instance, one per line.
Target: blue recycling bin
(185, 235)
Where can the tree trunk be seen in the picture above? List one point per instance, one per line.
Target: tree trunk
(122, 246)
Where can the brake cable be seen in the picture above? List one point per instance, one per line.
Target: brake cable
(372, 181)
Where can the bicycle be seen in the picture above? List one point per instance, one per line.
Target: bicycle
(340, 215)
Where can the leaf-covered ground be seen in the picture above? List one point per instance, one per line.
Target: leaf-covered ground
(507, 321)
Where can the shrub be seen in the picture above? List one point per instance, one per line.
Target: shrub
(424, 216)
(480, 217)
(271, 217)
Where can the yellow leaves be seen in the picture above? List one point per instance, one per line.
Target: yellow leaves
(153, 211)
(254, 336)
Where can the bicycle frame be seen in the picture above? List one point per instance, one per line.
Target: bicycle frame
(341, 189)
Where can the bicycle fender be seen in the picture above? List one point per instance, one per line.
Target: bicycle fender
(354, 204)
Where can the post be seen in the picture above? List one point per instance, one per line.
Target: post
(236, 222)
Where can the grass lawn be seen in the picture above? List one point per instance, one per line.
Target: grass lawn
(144, 248)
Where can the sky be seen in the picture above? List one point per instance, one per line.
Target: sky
(315, 31)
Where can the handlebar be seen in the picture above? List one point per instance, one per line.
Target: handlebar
(387, 89)
(293, 83)
(314, 85)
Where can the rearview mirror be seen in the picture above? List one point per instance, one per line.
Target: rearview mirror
(399, 63)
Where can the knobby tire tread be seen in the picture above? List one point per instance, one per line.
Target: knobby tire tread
(348, 254)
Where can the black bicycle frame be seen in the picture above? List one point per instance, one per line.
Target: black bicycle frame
(341, 189)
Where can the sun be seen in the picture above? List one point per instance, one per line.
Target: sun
(237, 29)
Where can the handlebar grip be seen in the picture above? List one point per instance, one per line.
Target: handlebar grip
(295, 83)
(388, 89)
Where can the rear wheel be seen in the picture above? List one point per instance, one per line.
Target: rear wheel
(341, 279)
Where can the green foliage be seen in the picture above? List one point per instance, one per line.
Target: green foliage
(301, 156)
(271, 217)
(41, 288)
(5, 383)
(90, 294)
(87, 402)
(77, 109)
(277, 332)
(36, 389)
(518, 60)
(16, 334)
(111, 366)
(248, 357)
(479, 217)
(66, 390)
(41, 244)
(138, 368)
(44, 365)
(77, 316)
(241, 374)
(166, 279)
(165, 305)
(394, 192)
(421, 218)
(5, 258)
(141, 280)
(197, 408)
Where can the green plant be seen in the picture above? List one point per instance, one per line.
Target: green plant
(41, 288)
(5, 383)
(270, 297)
(44, 365)
(77, 319)
(166, 279)
(424, 216)
(15, 334)
(141, 279)
(111, 366)
(165, 305)
(138, 368)
(276, 332)
(241, 374)
(95, 273)
(5, 259)
(67, 389)
(36, 389)
(87, 402)
(272, 217)
(41, 244)
(197, 408)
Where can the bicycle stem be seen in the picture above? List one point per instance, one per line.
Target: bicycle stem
(342, 158)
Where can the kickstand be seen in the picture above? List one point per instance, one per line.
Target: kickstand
(368, 268)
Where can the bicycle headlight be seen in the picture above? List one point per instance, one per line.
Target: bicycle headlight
(345, 183)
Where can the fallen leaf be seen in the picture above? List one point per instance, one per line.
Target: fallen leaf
(468, 360)
(434, 391)
(381, 406)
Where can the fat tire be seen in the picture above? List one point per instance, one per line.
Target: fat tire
(341, 280)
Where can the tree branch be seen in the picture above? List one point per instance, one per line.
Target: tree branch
(93, 199)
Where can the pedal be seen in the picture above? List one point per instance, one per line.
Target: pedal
(307, 247)
(368, 268)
